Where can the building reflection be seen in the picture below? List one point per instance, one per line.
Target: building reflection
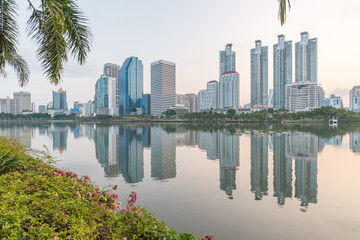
(163, 154)
(131, 154)
(225, 147)
(22, 133)
(355, 142)
(282, 169)
(59, 136)
(259, 166)
(229, 160)
(106, 149)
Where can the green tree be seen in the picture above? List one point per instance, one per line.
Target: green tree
(57, 26)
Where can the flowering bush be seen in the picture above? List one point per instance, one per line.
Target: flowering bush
(40, 201)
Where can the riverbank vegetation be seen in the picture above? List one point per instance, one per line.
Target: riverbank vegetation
(41, 201)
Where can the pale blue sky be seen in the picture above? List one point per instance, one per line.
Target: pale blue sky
(191, 33)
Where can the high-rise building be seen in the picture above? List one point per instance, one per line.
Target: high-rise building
(282, 70)
(321, 95)
(227, 60)
(106, 96)
(59, 99)
(259, 74)
(301, 96)
(306, 59)
(332, 101)
(112, 70)
(229, 90)
(130, 86)
(355, 98)
(163, 86)
(191, 97)
(24, 101)
(200, 100)
(33, 107)
(210, 96)
(8, 105)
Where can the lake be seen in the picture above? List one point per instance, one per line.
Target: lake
(235, 181)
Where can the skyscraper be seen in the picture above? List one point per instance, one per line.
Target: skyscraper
(163, 87)
(282, 70)
(229, 90)
(59, 99)
(306, 59)
(228, 95)
(24, 100)
(227, 60)
(105, 96)
(112, 70)
(130, 85)
(259, 74)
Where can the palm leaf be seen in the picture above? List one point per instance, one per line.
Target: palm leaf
(9, 34)
(58, 27)
(282, 10)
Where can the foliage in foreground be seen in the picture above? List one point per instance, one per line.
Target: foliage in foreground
(40, 201)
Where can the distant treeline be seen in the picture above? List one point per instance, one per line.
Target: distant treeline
(269, 115)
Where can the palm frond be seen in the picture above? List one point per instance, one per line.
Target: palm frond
(283, 5)
(9, 35)
(59, 27)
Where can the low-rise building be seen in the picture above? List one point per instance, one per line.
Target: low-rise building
(301, 96)
(332, 101)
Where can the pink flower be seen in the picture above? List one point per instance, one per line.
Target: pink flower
(55, 235)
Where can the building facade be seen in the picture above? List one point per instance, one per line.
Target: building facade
(163, 86)
(332, 101)
(210, 97)
(227, 60)
(24, 101)
(355, 98)
(259, 74)
(130, 86)
(301, 96)
(8, 105)
(282, 70)
(59, 100)
(306, 59)
(191, 97)
(106, 96)
(112, 70)
(200, 100)
(229, 90)
(146, 104)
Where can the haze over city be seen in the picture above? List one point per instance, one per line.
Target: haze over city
(191, 34)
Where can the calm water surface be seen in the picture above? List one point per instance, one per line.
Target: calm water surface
(278, 182)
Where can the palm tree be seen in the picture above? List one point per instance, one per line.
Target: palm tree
(57, 27)
(282, 10)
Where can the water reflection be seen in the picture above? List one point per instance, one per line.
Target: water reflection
(163, 154)
(259, 166)
(119, 149)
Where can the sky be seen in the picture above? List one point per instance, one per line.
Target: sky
(191, 33)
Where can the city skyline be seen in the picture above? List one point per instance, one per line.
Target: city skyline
(197, 56)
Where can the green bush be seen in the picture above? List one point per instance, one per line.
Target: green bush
(40, 201)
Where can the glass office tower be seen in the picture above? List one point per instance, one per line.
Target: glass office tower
(130, 86)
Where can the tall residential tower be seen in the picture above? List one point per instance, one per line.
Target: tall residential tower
(227, 60)
(306, 59)
(259, 74)
(282, 70)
